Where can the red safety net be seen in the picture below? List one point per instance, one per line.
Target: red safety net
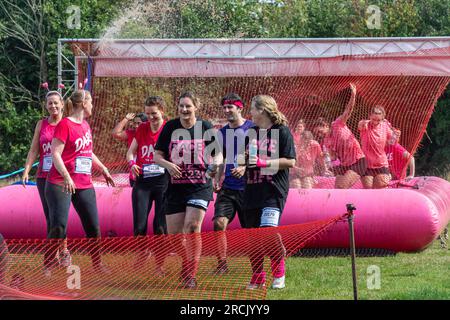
(130, 264)
(406, 83)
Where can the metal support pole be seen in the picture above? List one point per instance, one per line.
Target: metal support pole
(59, 65)
(350, 209)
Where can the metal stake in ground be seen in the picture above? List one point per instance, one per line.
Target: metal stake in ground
(350, 209)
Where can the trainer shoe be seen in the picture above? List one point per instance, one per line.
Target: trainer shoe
(278, 283)
(258, 281)
(47, 272)
(160, 272)
(64, 258)
(222, 268)
(190, 283)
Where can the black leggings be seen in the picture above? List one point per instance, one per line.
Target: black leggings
(40, 182)
(143, 195)
(84, 202)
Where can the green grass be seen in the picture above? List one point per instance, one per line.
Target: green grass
(423, 275)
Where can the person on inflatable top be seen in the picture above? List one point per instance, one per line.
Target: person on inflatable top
(340, 144)
(375, 134)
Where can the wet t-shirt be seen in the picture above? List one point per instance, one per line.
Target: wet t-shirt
(266, 184)
(191, 149)
(77, 153)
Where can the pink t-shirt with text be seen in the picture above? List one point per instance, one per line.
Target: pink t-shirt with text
(77, 153)
(45, 152)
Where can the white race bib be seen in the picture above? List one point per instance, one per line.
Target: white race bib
(47, 163)
(83, 165)
(270, 217)
(152, 170)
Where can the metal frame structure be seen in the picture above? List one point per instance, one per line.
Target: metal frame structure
(236, 49)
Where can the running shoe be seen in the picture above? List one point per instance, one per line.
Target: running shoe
(64, 258)
(190, 283)
(278, 283)
(47, 272)
(258, 281)
(222, 268)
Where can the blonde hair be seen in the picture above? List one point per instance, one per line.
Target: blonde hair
(76, 100)
(269, 105)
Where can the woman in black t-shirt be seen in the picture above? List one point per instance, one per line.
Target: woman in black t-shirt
(185, 147)
(271, 153)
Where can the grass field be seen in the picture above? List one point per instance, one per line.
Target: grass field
(423, 275)
(415, 276)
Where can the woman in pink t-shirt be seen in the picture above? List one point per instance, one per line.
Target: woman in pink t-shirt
(309, 154)
(120, 133)
(42, 139)
(375, 134)
(151, 179)
(69, 179)
(339, 143)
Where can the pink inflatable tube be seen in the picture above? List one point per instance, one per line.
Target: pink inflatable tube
(405, 219)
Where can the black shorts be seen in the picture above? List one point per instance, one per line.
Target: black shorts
(253, 217)
(176, 202)
(228, 202)
(376, 171)
(360, 167)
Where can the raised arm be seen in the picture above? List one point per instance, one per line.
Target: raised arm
(32, 153)
(118, 132)
(350, 105)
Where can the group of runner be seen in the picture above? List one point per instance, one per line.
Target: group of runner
(175, 164)
(376, 160)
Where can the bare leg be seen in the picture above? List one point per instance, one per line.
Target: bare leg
(220, 225)
(381, 181)
(296, 183)
(193, 227)
(175, 224)
(307, 182)
(367, 182)
(347, 180)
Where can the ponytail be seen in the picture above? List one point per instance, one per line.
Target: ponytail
(269, 105)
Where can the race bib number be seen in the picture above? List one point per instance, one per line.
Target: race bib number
(270, 217)
(83, 165)
(47, 163)
(152, 170)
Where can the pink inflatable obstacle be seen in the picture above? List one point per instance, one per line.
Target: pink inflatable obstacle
(407, 218)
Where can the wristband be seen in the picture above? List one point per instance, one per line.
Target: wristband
(260, 163)
(131, 163)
